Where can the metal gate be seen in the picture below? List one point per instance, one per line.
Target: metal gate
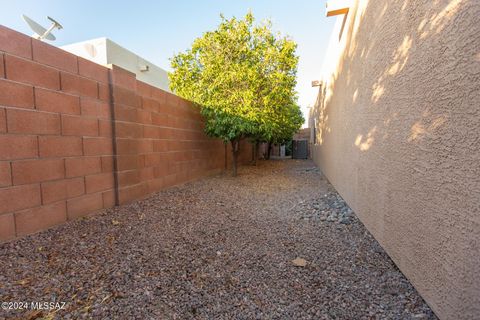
(299, 149)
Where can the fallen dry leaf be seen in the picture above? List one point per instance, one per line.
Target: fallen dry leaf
(299, 262)
(23, 282)
(115, 222)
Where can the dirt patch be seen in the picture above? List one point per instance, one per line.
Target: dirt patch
(220, 247)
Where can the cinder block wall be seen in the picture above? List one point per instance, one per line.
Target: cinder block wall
(60, 142)
(55, 136)
(159, 139)
(398, 136)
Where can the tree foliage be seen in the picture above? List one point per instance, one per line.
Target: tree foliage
(243, 76)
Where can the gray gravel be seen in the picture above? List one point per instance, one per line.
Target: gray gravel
(217, 248)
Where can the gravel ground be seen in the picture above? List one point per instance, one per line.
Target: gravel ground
(217, 248)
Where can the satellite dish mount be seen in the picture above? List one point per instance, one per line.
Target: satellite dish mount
(40, 32)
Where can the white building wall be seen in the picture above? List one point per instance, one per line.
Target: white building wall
(105, 52)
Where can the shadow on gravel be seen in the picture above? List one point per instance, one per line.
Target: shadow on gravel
(277, 242)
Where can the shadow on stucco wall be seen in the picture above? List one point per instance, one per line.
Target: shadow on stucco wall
(397, 134)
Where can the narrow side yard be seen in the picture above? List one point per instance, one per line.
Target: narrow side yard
(217, 248)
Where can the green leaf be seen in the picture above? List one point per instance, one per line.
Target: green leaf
(242, 75)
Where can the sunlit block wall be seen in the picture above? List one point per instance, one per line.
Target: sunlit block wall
(77, 137)
(397, 133)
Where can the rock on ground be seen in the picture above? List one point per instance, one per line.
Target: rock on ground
(217, 248)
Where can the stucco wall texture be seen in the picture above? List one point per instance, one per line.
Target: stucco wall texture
(397, 134)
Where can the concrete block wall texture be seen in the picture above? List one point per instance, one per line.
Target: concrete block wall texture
(245, 156)
(159, 139)
(397, 126)
(53, 155)
(76, 137)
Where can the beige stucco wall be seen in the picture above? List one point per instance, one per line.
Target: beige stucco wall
(398, 135)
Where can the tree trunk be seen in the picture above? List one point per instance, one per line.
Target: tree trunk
(269, 150)
(256, 149)
(235, 149)
(226, 156)
(253, 153)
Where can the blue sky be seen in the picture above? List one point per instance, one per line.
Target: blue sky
(156, 30)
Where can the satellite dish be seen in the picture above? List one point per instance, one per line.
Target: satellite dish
(40, 32)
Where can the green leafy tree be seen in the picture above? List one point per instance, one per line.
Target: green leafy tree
(242, 75)
(284, 126)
